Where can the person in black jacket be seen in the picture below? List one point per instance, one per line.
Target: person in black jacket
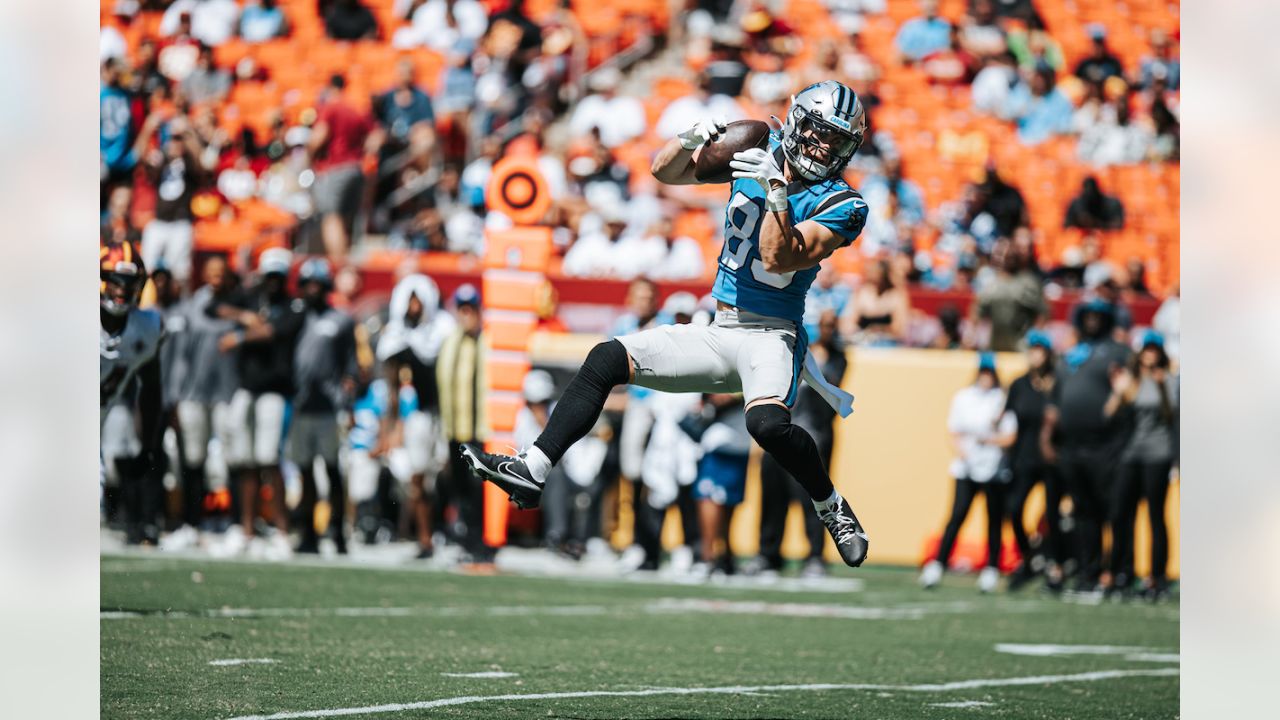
(268, 322)
(1080, 438)
(1028, 397)
(814, 415)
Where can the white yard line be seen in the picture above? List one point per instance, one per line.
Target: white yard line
(661, 606)
(962, 704)
(1047, 650)
(482, 675)
(242, 661)
(727, 690)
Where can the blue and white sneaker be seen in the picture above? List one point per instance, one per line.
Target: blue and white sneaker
(511, 474)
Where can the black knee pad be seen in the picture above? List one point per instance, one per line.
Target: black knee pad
(608, 363)
(769, 424)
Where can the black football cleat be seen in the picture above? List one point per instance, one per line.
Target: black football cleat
(511, 474)
(851, 539)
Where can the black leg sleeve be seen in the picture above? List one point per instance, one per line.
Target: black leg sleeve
(794, 449)
(576, 412)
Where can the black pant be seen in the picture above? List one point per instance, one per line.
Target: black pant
(649, 521)
(1025, 477)
(467, 491)
(1088, 473)
(778, 490)
(966, 490)
(569, 510)
(1136, 480)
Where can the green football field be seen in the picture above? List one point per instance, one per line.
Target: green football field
(192, 638)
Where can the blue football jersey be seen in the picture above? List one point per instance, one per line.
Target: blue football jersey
(741, 279)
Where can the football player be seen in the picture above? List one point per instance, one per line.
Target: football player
(129, 362)
(788, 209)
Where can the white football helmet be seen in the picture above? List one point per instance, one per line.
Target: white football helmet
(824, 128)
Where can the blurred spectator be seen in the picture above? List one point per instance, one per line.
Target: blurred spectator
(1112, 139)
(595, 252)
(980, 31)
(1038, 108)
(896, 191)
(208, 382)
(206, 83)
(350, 20)
(406, 113)
(1013, 302)
(779, 490)
(950, 337)
(213, 22)
(994, 82)
(117, 227)
(262, 20)
(111, 42)
(668, 458)
(828, 292)
(702, 103)
(722, 478)
(1135, 274)
(117, 156)
(1080, 439)
(920, 36)
(1145, 395)
(460, 375)
(952, 65)
(409, 350)
(1000, 201)
(880, 309)
(682, 257)
(337, 145)
(1168, 322)
(538, 390)
(980, 430)
(178, 54)
(445, 25)
(325, 372)
(642, 252)
(1162, 62)
(175, 171)
(1100, 64)
(1028, 397)
(1094, 210)
(268, 325)
(1034, 47)
(617, 118)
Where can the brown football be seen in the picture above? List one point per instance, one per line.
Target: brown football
(713, 158)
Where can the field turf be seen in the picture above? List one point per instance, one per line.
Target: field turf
(377, 642)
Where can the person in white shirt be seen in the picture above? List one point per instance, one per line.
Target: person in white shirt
(213, 22)
(619, 118)
(443, 24)
(981, 430)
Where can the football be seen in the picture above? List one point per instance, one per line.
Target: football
(712, 165)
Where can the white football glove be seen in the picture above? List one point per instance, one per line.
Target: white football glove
(760, 165)
(703, 131)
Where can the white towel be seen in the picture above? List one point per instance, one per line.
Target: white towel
(839, 400)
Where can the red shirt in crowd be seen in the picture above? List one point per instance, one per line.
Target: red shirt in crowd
(348, 129)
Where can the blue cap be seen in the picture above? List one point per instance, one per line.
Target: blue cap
(986, 361)
(1039, 338)
(1098, 305)
(1151, 337)
(466, 294)
(315, 270)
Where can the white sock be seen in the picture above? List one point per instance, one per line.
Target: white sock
(538, 463)
(829, 504)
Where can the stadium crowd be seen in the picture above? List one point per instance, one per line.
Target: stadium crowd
(1015, 155)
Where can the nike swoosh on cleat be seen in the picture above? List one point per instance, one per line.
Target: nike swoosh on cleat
(512, 477)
